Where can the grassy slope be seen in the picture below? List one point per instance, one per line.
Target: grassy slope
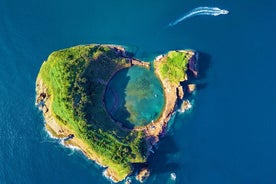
(75, 78)
(174, 66)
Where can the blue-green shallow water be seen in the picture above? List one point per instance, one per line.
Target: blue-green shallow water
(229, 137)
(134, 96)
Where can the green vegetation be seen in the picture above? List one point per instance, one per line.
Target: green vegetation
(173, 67)
(76, 79)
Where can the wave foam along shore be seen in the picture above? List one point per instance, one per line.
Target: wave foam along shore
(49, 134)
(212, 11)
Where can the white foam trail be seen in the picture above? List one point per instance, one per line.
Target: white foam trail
(212, 11)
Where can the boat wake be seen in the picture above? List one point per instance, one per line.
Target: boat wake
(212, 11)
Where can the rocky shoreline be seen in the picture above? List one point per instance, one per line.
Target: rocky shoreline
(57, 130)
(153, 130)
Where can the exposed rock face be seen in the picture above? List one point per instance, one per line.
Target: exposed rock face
(152, 131)
(143, 174)
(140, 63)
(43, 102)
(171, 92)
(193, 65)
(41, 97)
(186, 105)
(191, 88)
(180, 92)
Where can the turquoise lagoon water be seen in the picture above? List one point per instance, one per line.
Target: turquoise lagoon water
(228, 137)
(134, 96)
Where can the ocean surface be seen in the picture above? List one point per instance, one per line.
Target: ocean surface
(227, 137)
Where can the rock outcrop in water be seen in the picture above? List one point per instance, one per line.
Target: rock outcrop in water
(143, 174)
(191, 88)
(70, 88)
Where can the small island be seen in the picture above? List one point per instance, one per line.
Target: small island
(70, 90)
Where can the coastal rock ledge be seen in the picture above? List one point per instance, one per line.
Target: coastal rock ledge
(70, 88)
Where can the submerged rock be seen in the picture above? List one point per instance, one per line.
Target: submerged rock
(128, 181)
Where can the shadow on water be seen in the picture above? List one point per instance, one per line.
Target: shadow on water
(115, 100)
(160, 160)
(203, 64)
(131, 50)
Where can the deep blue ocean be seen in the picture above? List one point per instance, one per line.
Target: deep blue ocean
(229, 136)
